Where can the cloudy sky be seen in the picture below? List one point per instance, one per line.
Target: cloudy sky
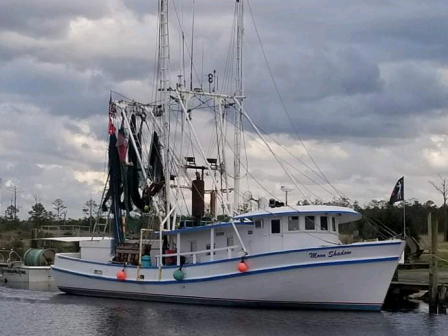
(365, 83)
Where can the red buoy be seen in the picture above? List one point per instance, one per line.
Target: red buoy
(242, 267)
(121, 275)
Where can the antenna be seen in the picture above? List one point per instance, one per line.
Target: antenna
(286, 190)
(192, 52)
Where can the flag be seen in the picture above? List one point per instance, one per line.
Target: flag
(112, 112)
(398, 192)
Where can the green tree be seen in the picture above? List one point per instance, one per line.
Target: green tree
(38, 214)
(11, 212)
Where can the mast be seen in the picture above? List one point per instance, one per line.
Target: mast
(239, 93)
(164, 86)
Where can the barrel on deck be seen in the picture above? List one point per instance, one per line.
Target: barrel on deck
(146, 261)
(38, 257)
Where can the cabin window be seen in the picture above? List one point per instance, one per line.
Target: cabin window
(333, 224)
(229, 241)
(193, 246)
(324, 223)
(219, 234)
(309, 223)
(275, 226)
(293, 223)
(259, 224)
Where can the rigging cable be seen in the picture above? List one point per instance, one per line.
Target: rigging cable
(284, 105)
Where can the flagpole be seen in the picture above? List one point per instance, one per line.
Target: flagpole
(404, 212)
(404, 219)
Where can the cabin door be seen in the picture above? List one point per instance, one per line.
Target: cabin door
(275, 235)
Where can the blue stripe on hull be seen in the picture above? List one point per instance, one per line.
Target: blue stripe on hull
(233, 275)
(223, 302)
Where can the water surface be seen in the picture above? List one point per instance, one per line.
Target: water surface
(30, 312)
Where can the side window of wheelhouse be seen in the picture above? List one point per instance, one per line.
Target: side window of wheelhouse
(309, 223)
(275, 226)
(324, 223)
(259, 224)
(333, 224)
(293, 223)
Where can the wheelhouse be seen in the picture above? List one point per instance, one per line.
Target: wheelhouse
(264, 230)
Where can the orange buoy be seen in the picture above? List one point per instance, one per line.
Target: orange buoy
(121, 275)
(242, 267)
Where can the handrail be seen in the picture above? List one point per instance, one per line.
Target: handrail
(12, 263)
(194, 254)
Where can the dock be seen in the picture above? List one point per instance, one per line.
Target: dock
(414, 281)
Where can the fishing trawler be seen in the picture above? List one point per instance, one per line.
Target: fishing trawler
(196, 245)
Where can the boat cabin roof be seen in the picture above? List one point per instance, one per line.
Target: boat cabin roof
(205, 227)
(344, 214)
(73, 239)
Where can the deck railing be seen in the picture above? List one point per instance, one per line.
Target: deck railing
(14, 259)
(195, 254)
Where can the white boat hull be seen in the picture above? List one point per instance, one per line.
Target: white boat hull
(349, 277)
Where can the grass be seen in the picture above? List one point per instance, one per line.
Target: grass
(442, 250)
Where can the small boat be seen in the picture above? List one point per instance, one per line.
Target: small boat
(34, 267)
(33, 270)
(276, 255)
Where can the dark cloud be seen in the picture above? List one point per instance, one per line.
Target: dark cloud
(409, 91)
(47, 18)
(363, 73)
(411, 38)
(59, 88)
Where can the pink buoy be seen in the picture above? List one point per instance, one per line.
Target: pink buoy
(242, 267)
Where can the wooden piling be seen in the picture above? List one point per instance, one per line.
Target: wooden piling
(433, 281)
(441, 304)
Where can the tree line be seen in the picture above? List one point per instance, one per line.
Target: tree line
(40, 216)
(380, 220)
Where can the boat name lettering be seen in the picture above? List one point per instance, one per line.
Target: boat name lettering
(334, 253)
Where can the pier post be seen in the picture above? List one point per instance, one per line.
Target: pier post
(433, 281)
(442, 300)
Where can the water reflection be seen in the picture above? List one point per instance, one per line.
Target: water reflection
(116, 317)
(67, 315)
(49, 286)
(403, 306)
